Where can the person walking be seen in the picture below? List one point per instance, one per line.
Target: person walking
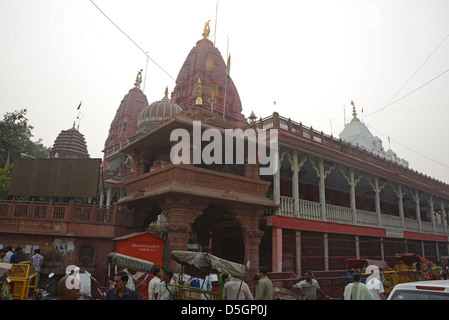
(236, 289)
(264, 289)
(357, 290)
(120, 291)
(308, 288)
(15, 256)
(375, 286)
(8, 254)
(37, 259)
(153, 286)
(164, 286)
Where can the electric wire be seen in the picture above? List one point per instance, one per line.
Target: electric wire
(389, 102)
(145, 53)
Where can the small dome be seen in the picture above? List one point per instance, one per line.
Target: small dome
(157, 111)
(69, 144)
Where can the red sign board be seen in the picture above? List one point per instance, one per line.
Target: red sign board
(146, 246)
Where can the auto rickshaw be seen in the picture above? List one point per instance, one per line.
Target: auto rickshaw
(201, 264)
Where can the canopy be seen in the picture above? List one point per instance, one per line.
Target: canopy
(205, 262)
(130, 262)
(4, 267)
(361, 263)
(410, 258)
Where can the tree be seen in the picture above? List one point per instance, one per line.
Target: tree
(5, 179)
(15, 138)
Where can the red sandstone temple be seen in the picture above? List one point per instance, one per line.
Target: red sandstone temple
(331, 198)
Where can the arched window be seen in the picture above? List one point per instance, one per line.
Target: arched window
(86, 255)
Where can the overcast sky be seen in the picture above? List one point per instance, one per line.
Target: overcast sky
(311, 57)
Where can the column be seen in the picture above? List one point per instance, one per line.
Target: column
(298, 254)
(181, 213)
(382, 249)
(443, 217)
(295, 183)
(322, 188)
(432, 214)
(109, 196)
(357, 247)
(249, 218)
(352, 195)
(277, 187)
(277, 249)
(326, 251)
(417, 198)
(401, 205)
(377, 200)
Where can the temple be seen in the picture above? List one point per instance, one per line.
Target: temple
(329, 199)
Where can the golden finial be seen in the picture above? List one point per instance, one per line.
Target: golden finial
(166, 92)
(354, 113)
(206, 30)
(138, 79)
(199, 92)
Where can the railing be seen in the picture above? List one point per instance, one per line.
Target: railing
(396, 165)
(67, 212)
(312, 211)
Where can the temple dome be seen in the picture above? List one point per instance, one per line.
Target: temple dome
(157, 111)
(124, 124)
(358, 134)
(69, 144)
(205, 62)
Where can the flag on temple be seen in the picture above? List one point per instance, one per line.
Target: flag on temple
(228, 66)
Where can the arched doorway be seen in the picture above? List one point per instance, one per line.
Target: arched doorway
(217, 232)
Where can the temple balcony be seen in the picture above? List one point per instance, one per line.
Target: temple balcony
(310, 210)
(203, 183)
(65, 219)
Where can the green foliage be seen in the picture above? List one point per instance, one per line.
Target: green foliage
(5, 179)
(14, 133)
(15, 138)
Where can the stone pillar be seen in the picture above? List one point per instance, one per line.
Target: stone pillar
(417, 199)
(357, 247)
(249, 218)
(322, 188)
(181, 213)
(277, 187)
(109, 196)
(326, 251)
(277, 249)
(382, 248)
(295, 183)
(352, 195)
(298, 254)
(432, 213)
(443, 217)
(400, 195)
(377, 200)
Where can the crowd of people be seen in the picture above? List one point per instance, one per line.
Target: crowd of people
(10, 255)
(163, 284)
(163, 287)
